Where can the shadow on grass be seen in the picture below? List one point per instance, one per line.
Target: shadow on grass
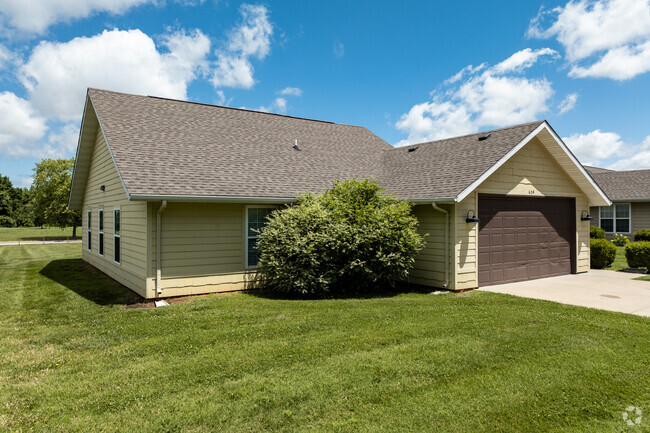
(86, 281)
(49, 238)
(389, 292)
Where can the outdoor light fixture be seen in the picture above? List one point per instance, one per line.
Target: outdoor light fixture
(102, 188)
(471, 217)
(584, 216)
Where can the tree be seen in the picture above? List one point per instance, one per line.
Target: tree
(351, 238)
(14, 205)
(6, 202)
(50, 192)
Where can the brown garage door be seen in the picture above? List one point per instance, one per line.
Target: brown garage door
(524, 238)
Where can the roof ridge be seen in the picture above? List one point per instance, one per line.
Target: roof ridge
(225, 107)
(473, 133)
(608, 171)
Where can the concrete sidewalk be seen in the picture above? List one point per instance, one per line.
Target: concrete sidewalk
(605, 290)
(70, 241)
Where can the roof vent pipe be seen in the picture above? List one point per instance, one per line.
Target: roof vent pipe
(484, 137)
(439, 209)
(295, 146)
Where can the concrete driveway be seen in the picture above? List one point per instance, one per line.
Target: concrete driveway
(606, 290)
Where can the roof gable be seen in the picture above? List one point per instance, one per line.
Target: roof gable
(562, 155)
(90, 127)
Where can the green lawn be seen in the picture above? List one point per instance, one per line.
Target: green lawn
(72, 358)
(36, 233)
(620, 263)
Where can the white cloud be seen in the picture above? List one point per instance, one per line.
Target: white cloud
(568, 103)
(20, 126)
(635, 158)
(252, 38)
(6, 57)
(467, 70)
(603, 38)
(594, 147)
(488, 96)
(291, 91)
(35, 16)
(338, 49)
(620, 63)
(62, 141)
(279, 106)
(56, 74)
(523, 59)
(24, 181)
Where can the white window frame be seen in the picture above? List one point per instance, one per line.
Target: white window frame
(89, 230)
(246, 236)
(116, 235)
(100, 232)
(613, 206)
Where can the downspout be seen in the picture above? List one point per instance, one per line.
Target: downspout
(439, 209)
(161, 209)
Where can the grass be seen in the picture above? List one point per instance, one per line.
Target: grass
(73, 358)
(620, 263)
(36, 233)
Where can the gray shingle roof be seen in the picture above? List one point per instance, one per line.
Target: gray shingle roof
(444, 168)
(624, 185)
(170, 147)
(593, 170)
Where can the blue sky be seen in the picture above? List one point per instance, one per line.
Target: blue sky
(408, 71)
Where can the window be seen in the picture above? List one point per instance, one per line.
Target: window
(89, 238)
(615, 218)
(100, 219)
(116, 235)
(255, 221)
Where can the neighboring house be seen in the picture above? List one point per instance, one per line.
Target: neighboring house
(171, 192)
(629, 192)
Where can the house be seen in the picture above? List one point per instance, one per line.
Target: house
(629, 192)
(171, 192)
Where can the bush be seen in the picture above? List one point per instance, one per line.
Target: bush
(637, 254)
(620, 240)
(603, 253)
(596, 233)
(350, 239)
(6, 221)
(642, 235)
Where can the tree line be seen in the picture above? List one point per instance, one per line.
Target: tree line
(45, 203)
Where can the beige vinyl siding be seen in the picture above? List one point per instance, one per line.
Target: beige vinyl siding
(640, 216)
(593, 212)
(532, 172)
(465, 244)
(132, 270)
(429, 268)
(202, 248)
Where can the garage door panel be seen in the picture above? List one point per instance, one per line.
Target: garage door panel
(525, 238)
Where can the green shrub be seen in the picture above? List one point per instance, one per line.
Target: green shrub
(642, 235)
(350, 239)
(637, 254)
(620, 240)
(603, 253)
(6, 221)
(596, 233)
